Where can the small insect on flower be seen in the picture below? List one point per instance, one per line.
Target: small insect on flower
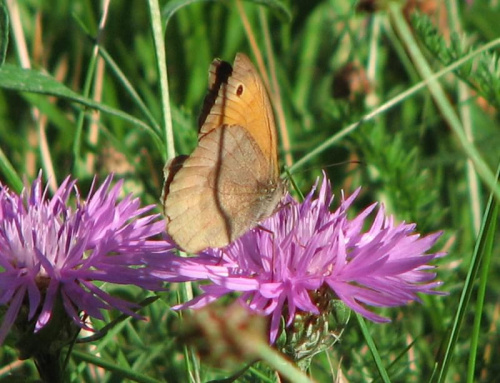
(306, 251)
(52, 253)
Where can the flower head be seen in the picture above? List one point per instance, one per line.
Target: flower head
(50, 251)
(283, 265)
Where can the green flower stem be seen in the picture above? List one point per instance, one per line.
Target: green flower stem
(275, 360)
(161, 62)
(158, 36)
(48, 365)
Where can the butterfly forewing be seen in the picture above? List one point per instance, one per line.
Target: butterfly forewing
(243, 101)
(230, 182)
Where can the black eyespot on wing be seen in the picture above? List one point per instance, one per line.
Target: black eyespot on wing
(239, 91)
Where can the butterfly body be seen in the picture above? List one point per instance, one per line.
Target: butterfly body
(231, 180)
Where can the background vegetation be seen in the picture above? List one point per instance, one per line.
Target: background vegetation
(347, 82)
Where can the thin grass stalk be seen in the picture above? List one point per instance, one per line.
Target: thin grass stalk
(444, 361)
(481, 293)
(390, 104)
(373, 349)
(129, 88)
(24, 59)
(440, 98)
(275, 90)
(161, 64)
(464, 109)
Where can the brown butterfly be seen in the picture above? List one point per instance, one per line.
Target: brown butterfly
(231, 180)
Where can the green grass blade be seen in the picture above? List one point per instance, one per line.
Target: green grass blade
(441, 100)
(4, 32)
(11, 176)
(373, 349)
(161, 63)
(278, 7)
(385, 107)
(129, 88)
(27, 80)
(111, 365)
(87, 86)
(481, 293)
(482, 247)
(173, 6)
(281, 9)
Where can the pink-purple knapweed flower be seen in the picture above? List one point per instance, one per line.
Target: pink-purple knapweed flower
(50, 251)
(279, 266)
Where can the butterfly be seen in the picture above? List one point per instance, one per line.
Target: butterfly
(231, 180)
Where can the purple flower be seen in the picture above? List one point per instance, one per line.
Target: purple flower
(50, 251)
(281, 266)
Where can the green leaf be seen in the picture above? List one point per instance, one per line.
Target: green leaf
(281, 10)
(4, 32)
(27, 80)
(174, 6)
(11, 177)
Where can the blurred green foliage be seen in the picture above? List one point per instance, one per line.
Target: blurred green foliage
(334, 64)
